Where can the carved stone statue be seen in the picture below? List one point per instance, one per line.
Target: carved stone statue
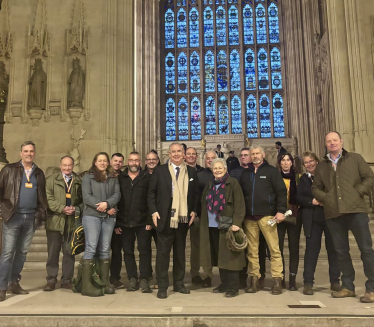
(4, 82)
(74, 152)
(38, 87)
(76, 86)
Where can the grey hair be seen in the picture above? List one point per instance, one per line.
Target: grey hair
(256, 146)
(176, 143)
(206, 153)
(221, 160)
(28, 143)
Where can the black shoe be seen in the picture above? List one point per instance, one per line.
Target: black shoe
(182, 289)
(207, 282)
(197, 280)
(220, 289)
(144, 286)
(2, 295)
(118, 284)
(292, 283)
(133, 285)
(162, 294)
(49, 287)
(15, 288)
(231, 292)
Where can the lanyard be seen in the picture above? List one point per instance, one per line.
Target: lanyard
(69, 186)
(28, 173)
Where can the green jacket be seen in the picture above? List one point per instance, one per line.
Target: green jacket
(235, 208)
(342, 191)
(56, 197)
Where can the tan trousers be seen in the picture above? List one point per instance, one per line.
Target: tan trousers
(252, 229)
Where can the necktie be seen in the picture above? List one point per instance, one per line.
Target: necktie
(177, 174)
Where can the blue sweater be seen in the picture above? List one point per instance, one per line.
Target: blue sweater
(28, 197)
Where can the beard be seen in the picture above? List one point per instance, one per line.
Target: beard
(134, 169)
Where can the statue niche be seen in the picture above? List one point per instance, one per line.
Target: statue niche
(76, 86)
(37, 87)
(4, 83)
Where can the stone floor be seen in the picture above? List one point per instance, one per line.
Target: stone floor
(201, 308)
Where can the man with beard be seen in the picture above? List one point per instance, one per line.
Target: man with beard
(131, 223)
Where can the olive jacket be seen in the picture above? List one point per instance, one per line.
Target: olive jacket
(235, 208)
(56, 197)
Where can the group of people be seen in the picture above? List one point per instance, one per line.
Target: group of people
(164, 202)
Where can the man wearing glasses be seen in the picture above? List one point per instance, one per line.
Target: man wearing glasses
(151, 162)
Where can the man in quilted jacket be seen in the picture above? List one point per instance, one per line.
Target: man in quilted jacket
(340, 182)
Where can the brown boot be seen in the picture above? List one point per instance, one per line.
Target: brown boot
(367, 298)
(15, 288)
(2, 295)
(308, 289)
(254, 286)
(343, 293)
(335, 287)
(277, 286)
(49, 287)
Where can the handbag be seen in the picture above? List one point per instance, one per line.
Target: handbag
(291, 220)
(224, 222)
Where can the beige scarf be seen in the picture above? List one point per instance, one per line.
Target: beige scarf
(179, 205)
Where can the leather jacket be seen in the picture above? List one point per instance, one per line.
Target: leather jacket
(10, 183)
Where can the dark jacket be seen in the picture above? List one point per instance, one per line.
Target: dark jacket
(342, 191)
(133, 207)
(264, 192)
(199, 168)
(10, 183)
(307, 210)
(160, 190)
(237, 173)
(232, 163)
(96, 192)
(282, 151)
(204, 177)
(234, 208)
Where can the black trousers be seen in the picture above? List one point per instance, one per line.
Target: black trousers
(312, 250)
(116, 262)
(166, 240)
(293, 232)
(358, 223)
(229, 278)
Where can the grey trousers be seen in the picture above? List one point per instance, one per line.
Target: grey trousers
(55, 242)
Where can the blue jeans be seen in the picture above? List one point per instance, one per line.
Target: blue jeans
(358, 223)
(98, 234)
(17, 236)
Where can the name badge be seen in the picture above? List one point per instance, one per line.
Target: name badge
(262, 176)
(28, 185)
(68, 196)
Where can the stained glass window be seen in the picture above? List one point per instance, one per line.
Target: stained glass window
(223, 115)
(170, 120)
(251, 108)
(235, 70)
(222, 71)
(195, 72)
(169, 29)
(248, 24)
(261, 24)
(170, 73)
(181, 3)
(276, 72)
(182, 73)
(273, 23)
(195, 119)
(278, 119)
(181, 29)
(183, 119)
(221, 25)
(210, 120)
(210, 85)
(208, 2)
(194, 28)
(236, 115)
(263, 76)
(250, 70)
(220, 2)
(233, 26)
(208, 27)
(265, 128)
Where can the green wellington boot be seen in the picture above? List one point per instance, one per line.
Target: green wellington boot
(91, 283)
(104, 276)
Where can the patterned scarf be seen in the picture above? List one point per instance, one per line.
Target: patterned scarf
(215, 198)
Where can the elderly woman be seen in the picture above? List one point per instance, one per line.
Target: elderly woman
(101, 193)
(221, 198)
(314, 223)
(290, 178)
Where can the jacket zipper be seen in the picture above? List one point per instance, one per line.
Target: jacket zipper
(253, 190)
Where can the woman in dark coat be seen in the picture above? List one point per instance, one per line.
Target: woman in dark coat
(223, 196)
(314, 223)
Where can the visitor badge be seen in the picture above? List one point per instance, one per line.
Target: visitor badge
(28, 185)
(68, 196)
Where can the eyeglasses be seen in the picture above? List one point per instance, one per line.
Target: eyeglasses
(151, 159)
(309, 162)
(134, 160)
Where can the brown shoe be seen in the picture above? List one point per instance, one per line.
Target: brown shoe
(261, 282)
(67, 286)
(2, 295)
(367, 298)
(254, 286)
(15, 288)
(335, 287)
(277, 286)
(308, 289)
(343, 293)
(49, 287)
(117, 284)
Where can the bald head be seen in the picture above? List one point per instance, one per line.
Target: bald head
(209, 157)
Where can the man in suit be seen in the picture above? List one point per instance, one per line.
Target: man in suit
(173, 196)
(220, 154)
(280, 148)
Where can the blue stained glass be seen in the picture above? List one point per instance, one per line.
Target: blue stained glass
(222, 71)
(276, 72)
(232, 1)
(235, 70)
(236, 115)
(208, 27)
(194, 28)
(181, 28)
(193, 2)
(170, 120)
(220, 2)
(261, 24)
(252, 116)
(278, 119)
(233, 26)
(183, 119)
(195, 119)
(208, 2)
(209, 72)
(169, 29)
(263, 76)
(181, 3)
(223, 115)
(210, 112)
(265, 128)
(250, 70)
(182, 73)
(273, 23)
(221, 26)
(248, 24)
(195, 72)
(170, 73)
